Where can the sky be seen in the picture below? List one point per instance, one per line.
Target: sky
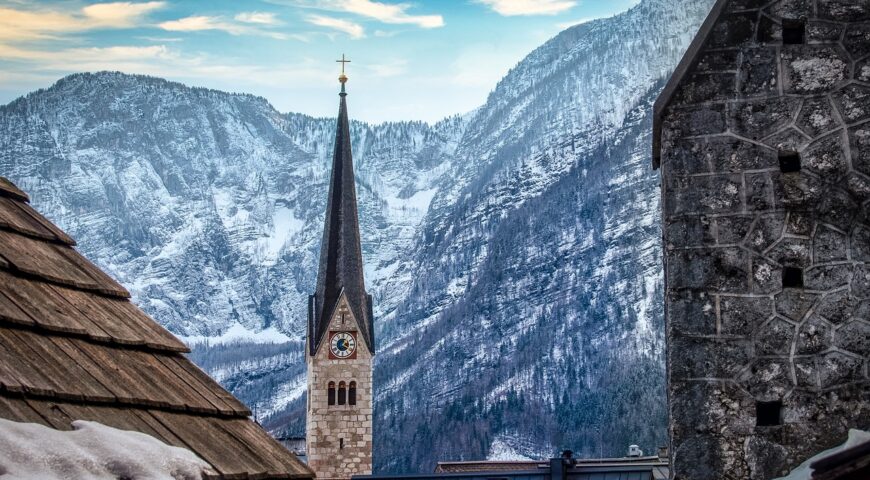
(410, 60)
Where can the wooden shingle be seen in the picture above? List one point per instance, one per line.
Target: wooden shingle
(8, 189)
(73, 347)
(17, 217)
(52, 263)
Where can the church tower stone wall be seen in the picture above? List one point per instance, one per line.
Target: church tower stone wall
(339, 437)
(763, 140)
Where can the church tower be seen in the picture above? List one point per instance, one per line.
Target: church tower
(340, 341)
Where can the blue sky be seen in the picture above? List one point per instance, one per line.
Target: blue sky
(410, 60)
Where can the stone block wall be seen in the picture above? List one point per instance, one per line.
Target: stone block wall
(339, 437)
(765, 164)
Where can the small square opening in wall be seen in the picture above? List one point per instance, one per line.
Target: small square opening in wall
(768, 414)
(789, 161)
(792, 277)
(794, 32)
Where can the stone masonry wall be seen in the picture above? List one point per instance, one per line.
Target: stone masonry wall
(330, 426)
(767, 269)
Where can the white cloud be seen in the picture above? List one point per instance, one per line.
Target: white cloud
(260, 18)
(572, 23)
(18, 25)
(61, 58)
(396, 14)
(119, 14)
(355, 30)
(529, 7)
(149, 38)
(390, 13)
(198, 23)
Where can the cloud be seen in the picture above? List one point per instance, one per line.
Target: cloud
(390, 13)
(198, 23)
(355, 30)
(260, 18)
(119, 14)
(62, 58)
(163, 61)
(529, 7)
(18, 25)
(149, 38)
(573, 23)
(396, 14)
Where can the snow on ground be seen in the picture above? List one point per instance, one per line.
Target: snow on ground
(285, 395)
(500, 450)
(284, 225)
(91, 451)
(238, 333)
(803, 471)
(420, 202)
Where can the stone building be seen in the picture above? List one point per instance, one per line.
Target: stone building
(340, 339)
(763, 140)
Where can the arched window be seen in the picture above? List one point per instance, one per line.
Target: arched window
(351, 394)
(330, 394)
(342, 393)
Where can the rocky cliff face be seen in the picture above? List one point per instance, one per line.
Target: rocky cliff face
(516, 247)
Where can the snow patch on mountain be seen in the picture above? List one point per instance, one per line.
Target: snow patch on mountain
(499, 450)
(238, 333)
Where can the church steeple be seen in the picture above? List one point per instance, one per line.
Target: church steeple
(341, 265)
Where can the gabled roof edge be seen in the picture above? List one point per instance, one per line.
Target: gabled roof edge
(9, 189)
(688, 61)
(363, 327)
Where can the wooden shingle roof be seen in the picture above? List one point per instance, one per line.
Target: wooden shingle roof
(73, 347)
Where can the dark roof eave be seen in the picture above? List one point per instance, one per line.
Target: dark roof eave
(688, 61)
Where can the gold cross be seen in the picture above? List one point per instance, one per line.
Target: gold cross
(342, 62)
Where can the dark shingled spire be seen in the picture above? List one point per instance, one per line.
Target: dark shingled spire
(341, 265)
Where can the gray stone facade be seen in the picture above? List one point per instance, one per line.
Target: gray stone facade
(765, 165)
(339, 437)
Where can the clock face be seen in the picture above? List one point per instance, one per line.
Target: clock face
(342, 345)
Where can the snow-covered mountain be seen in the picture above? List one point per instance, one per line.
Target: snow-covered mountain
(516, 247)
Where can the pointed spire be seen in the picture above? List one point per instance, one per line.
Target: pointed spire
(341, 265)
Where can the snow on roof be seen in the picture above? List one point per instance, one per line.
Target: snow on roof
(91, 451)
(804, 470)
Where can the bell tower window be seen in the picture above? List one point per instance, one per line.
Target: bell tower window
(330, 394)
(342, 393)
(351, 393)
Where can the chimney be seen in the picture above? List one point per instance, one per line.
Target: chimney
(663, 453)
(559, 466)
